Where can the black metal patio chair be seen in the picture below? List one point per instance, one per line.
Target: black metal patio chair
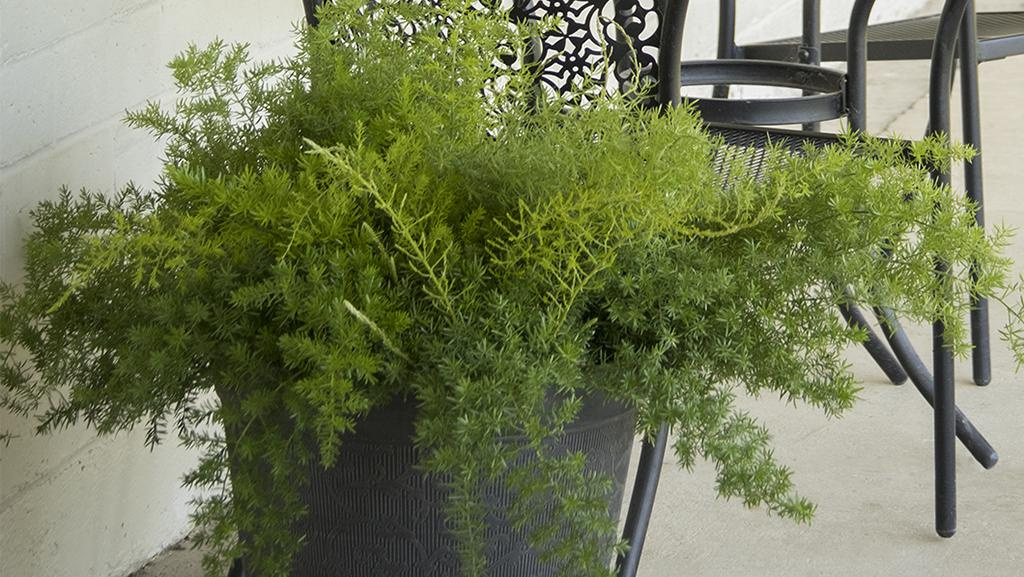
(672, 74)
(983, 37)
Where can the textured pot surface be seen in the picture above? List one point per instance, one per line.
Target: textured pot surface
(375, 515)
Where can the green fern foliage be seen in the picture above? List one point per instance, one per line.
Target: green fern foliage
(388, 214)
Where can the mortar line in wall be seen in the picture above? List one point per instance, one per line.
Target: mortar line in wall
(49, 472)
(56, 145)
(83, 132)
(62, 142)
(17, 57)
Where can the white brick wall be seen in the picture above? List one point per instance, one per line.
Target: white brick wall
(72, 505)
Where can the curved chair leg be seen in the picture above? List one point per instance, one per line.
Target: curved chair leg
(973, 183)
(874, 345)
(970, 436)
(951, 21)
(641, 503)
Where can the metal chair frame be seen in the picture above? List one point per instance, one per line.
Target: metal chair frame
(806, 109)
(652, 453)
(983, 36)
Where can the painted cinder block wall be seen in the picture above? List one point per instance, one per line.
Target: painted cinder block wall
(73, 504)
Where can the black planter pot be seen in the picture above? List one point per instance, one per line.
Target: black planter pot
(375, 515)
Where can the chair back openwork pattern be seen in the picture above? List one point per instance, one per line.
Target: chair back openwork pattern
(606, 44)
(595, 45)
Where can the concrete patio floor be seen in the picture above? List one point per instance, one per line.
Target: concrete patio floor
(871, 471)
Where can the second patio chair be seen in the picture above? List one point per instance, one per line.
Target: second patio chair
(672, 73)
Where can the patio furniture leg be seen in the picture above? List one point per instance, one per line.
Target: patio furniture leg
(809, 53)
(945, 427)
(874, 345)
(972, 439)
(973, 183)
(953, 12)
(641, 503)
(810, 46)
(726, 39)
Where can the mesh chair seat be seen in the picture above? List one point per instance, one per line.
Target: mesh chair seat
(751, 145)
(1000, 34)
